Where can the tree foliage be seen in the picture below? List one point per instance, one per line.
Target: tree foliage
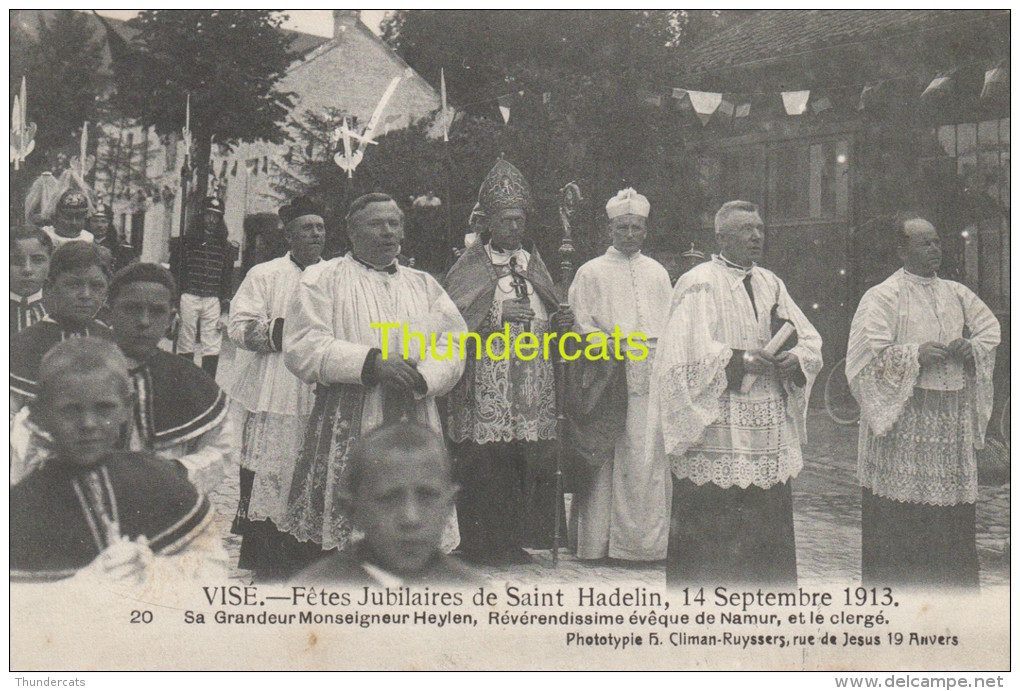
(229, 61)
(63, 68)
(593, 127)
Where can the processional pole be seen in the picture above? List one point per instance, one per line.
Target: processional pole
(570, 197)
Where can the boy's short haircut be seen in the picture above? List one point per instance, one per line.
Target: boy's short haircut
(19, 233)
(76, 256)
(402, 438)
(142, 272)
(78, 356)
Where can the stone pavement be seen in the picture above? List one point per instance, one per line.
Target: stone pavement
(827, 521)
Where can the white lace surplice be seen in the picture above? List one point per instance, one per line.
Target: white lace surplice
(276, 404)
(328, 333)
(919, 428)
(712, 434)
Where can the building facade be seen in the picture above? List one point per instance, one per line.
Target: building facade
(866, 144)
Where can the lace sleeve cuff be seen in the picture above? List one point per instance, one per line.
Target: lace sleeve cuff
(981, 390)
(690, 396)
(258, 336)
(885, 385)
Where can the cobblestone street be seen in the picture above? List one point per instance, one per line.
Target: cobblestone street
(827, 518)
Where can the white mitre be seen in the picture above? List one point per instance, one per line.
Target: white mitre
(628, 201)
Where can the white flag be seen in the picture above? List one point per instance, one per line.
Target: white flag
(705, 103)
(442, 90)
(795, 102)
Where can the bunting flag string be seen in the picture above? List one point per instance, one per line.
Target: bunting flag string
(731, 106)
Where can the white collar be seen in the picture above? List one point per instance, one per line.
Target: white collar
(617, 254)
(502, 257)
(921, 280)
(34, 297)
(734, 274)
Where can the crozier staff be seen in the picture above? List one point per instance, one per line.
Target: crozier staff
(329, 339)
(733, 454)
(919, 362)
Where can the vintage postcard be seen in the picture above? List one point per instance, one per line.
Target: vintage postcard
(516, 340)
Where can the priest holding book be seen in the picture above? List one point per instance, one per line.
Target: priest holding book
(727, 406)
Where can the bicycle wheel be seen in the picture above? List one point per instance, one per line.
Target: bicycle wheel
(840, 404)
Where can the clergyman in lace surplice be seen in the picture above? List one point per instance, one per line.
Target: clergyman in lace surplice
(919, 362)
(733, 452)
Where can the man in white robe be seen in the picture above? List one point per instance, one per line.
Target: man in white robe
(275, 403)
(623, 510)
(919, 361)
(334, 337)
(733, 440)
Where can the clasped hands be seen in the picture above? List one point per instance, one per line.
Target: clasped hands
(932, 354)
(124, 561)
(760, 361)
(398, 374)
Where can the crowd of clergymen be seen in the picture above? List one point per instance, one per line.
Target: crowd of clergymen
(351, 472)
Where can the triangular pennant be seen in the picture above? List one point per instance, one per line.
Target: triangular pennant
(726, 108)
(939, 87)
(996, 83)
(504, 107)
(743, 110)
(546, 98)
(820, 105)
(795, 102)
(704, 103)
(654, 100)
(16, 114)
(679, 93)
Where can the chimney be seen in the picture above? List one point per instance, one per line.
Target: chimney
(344, 20)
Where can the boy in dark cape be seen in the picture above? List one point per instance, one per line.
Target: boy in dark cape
(89, 506)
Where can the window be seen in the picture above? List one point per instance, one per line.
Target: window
(810, 180)
(731, 174)
(981, 153)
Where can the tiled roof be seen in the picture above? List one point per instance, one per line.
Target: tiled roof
(29, 21)
(301, 43)
(775, 34)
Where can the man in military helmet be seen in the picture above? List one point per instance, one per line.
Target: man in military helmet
(202, 262)
(69, 220)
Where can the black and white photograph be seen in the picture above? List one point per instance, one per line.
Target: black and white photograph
(521, 339)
